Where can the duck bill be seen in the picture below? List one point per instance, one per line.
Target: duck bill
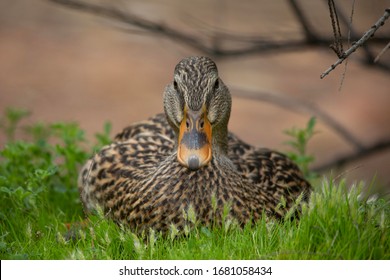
(194, 143)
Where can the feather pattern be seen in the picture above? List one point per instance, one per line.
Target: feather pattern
(138, 181)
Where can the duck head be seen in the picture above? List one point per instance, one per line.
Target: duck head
(197, 105)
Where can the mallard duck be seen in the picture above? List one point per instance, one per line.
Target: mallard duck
(157, 170)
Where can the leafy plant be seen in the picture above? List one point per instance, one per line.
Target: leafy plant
(38, 177)
(11, 120)
(299, 140)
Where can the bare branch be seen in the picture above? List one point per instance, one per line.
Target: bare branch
(310, 35)
(135, 21)
(337, 45)
(367, 151)
(359, 43)
(299, 106)
(254, 43)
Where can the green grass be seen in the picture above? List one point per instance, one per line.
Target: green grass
(38, 197)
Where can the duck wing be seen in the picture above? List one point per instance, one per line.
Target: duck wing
(155, 125)
(132, 157)
(272, 171)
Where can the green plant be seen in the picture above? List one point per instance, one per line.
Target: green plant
(38, 177)
(10, 121)
(300, 138)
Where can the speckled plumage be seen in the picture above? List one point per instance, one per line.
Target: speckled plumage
(138, 180)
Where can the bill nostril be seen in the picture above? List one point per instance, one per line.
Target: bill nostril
(193, 162)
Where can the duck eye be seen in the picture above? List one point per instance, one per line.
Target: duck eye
(201, 123)
(175, 84)
(216, 84)
(188, 124)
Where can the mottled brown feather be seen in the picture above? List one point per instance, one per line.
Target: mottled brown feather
(138, 181)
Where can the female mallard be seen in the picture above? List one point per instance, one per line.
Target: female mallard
(158, 169)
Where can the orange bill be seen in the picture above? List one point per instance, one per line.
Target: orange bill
(194, 143)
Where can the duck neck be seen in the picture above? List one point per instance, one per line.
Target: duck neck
(220, 140)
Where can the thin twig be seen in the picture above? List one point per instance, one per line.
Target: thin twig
(346, 21)
(359, 43)
(345, 172)
(349, 44)
(337, 45)
(382, 52)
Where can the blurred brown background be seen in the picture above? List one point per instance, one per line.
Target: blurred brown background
(67, 65)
